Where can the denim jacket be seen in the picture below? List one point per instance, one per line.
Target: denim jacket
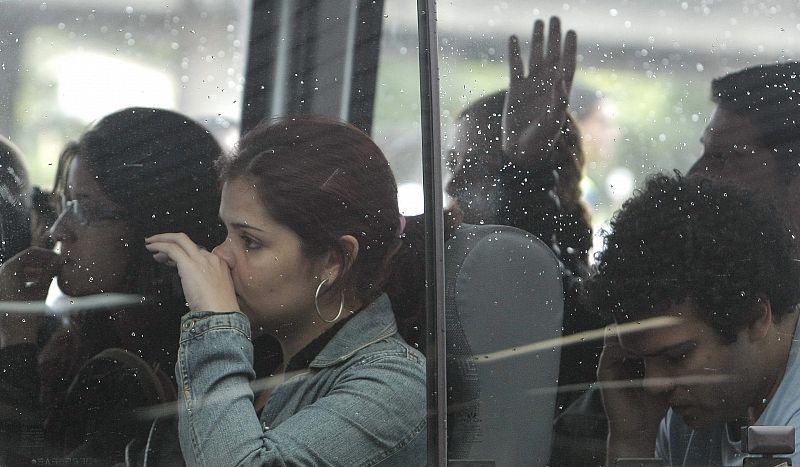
(360, 402)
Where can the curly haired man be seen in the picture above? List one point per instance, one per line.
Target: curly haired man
(715, 264)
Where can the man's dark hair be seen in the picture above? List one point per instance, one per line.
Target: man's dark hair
(685, 239)
(769, 96)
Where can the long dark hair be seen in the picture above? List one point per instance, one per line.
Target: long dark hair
(158, 165)
(674, 242)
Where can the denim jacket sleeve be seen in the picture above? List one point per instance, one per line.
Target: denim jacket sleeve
(354, 423)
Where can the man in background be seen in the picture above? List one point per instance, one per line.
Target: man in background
(753, 138)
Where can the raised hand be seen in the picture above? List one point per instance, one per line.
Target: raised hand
(535, 107)
(205, 277)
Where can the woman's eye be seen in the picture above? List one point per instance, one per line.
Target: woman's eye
(249, 243)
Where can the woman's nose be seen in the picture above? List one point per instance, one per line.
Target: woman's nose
(222, 250)
(61, 230)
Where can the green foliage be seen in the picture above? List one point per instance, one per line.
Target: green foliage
(661, 118)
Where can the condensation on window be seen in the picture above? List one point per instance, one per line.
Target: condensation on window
(67, 64)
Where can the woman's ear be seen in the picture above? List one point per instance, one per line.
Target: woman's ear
(340, 260)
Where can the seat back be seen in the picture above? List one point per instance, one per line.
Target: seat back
(503, 292)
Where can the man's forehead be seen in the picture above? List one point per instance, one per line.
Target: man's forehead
(652, 341)
(727, 128)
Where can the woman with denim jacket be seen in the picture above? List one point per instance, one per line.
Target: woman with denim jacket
(310, 206)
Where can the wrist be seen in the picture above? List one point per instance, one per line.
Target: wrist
(221, 306)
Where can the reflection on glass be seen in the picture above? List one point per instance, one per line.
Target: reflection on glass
(80, 380)
(75, 62)
(396, 127)
(89, 323)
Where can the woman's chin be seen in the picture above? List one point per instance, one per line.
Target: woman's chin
(79, 287)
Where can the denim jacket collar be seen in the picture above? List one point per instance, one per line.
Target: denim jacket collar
(372, 324)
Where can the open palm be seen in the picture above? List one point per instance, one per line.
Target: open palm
(535, 107)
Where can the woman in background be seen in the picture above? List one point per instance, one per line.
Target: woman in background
(134, 173)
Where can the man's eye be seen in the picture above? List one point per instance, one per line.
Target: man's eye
(679, 358)
(715, 158)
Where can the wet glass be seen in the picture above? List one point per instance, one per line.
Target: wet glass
(119, 112)
(397, 104)
(524, 217)
(87, 349)
(639, 103)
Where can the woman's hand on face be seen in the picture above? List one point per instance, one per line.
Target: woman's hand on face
(205, 276)
(26, 276)
(536, 105)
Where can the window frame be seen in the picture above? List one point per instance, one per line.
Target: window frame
(285, 43)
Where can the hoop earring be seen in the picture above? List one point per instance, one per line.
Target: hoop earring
(316, 304)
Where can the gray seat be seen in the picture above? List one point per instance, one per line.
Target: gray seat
(504, 292)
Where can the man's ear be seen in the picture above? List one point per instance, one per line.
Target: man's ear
(340, 260)
(763, 322)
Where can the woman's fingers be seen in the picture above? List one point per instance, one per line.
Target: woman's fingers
(163, 258)
(165, 252)
(569, 59)
(514, 59)
(553, 44)
(36, 255)
(537, 47)
(27, 275)
(205, 276)
(174, 248)
(31, 263)
(178, 250)
(556, 62)
(180, 239)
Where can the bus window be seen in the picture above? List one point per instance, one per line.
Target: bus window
(143, 127)
(641, 101)
(112, 116)
(75, 62)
